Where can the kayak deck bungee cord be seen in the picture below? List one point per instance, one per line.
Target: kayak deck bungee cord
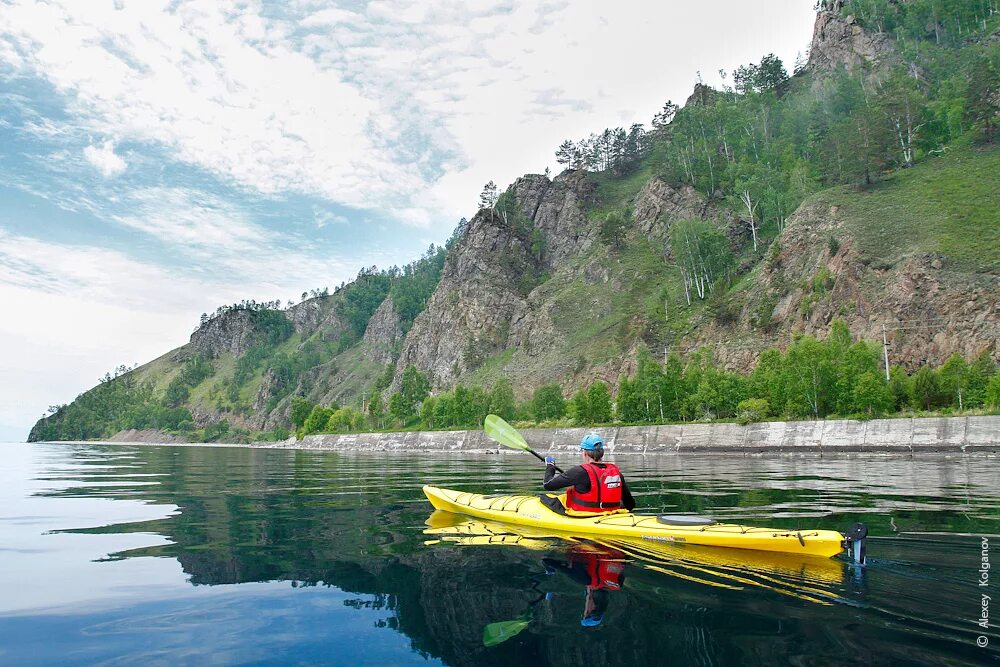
(531, 511)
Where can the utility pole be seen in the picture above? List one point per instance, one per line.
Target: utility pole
(885, 352)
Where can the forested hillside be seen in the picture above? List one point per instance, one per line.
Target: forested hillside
(748, 239)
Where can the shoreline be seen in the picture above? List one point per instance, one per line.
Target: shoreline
(909, 436)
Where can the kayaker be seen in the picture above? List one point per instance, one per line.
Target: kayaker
(592, 486)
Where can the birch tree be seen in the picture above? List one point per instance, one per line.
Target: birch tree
(702, 253)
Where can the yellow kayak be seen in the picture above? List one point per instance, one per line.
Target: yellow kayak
(529, 511)
(800, 576)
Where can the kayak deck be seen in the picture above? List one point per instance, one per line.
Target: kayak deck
(529, 511)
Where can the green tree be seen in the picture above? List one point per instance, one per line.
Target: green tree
(547, 402)
(376, 410)
(808, 378)
(317, 420)
(414, 387)
(413, 287)
(301, 408)
(901, 387)
(177, 392)
(872, 395)
(703, 403)
(578, 407)
(953, 379)
(993, 391)
(345, 419)
(445, 411)
(983, 75)
(766, 381)
(599, 402)
(671, 388)
(702, 253)
(399, 409)
(502, 399)
(628, 402)
(859, 359)
(215, 431)
(753, 410)
(925, 389)
(613, 229)
(980, 372)
(770, 74)
(427, 412)
(648, 387)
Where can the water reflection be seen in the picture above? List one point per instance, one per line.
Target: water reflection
(195, 554)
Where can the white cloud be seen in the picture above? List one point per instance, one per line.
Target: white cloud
(197, 221)
(104, 158)
(399, 105)
(217, 85)
(324, 218)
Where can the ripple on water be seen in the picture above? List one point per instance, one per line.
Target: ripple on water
(193, 554)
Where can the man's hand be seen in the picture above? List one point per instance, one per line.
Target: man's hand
(550, 460)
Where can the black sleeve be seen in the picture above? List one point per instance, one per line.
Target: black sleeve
(576, 477)
(628, 502)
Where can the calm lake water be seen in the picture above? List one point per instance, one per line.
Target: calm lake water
(203, 555)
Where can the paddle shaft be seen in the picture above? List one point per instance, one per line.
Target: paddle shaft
(542, 458)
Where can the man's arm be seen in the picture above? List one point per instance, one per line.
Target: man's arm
(575, 476)
(628, 502)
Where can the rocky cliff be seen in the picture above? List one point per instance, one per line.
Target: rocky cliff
(485, 292)
(534, 291)
(839, 41)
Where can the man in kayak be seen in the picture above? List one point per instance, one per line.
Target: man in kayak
(591, 486)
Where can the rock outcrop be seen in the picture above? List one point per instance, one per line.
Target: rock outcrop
(484, 291)
(561, 218)
(383, 333)
(319, 313)
(659, 203)
(702, 95)
(840, 41)
(233, 332)
(468, 316)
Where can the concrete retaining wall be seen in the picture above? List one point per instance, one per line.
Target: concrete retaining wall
(903, 436)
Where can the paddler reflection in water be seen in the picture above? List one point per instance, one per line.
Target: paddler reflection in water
(600, 569)
(592, 486)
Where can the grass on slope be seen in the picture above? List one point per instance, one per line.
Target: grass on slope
(948, 205)
(597, 321)
(615, 192)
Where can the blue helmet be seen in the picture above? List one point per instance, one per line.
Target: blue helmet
(591, 442)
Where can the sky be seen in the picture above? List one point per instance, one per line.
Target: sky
(159, 159)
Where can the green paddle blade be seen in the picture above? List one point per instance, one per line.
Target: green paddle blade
(500, 431)
(501, 631)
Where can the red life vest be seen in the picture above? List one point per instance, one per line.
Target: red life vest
(605, 573)
(605, 492)
(605, 568)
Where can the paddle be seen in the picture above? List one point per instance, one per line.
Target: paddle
(500, 431)
(501, 631)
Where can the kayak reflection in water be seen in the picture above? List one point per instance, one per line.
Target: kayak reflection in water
(592, 486)
(599, 569)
